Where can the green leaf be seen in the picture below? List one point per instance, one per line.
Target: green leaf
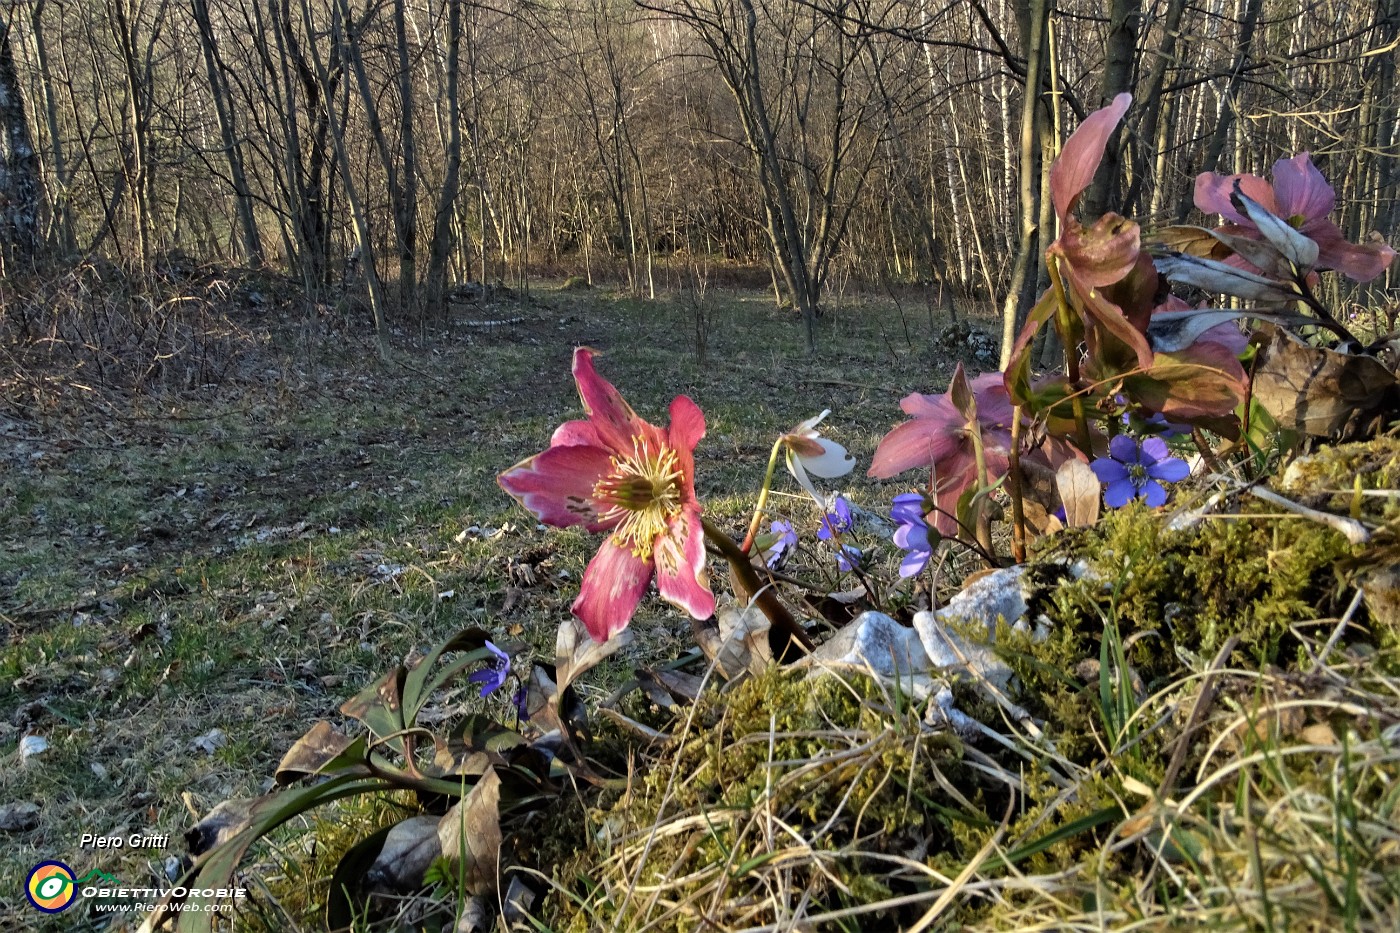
(380, 706)
(421, 682)
(215, 868)
(1185, 388)
(346, 899)
(1018, 369)
(1068, 831)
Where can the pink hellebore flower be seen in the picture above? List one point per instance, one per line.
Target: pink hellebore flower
(615, 472)
(1302, 197)
(938, 435)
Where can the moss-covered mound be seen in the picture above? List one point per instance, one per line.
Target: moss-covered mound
(1214, 740)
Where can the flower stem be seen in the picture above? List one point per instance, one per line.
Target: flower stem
(1018, 507)
(747, 546)
(982, 522)
(786, 632)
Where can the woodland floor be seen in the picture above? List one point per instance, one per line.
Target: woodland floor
(189, 577)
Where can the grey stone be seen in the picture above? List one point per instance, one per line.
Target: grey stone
(874, 639)
(996, 597)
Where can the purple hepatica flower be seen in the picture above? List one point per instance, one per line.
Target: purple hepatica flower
(1132, 471)
(848, 558)
(913, 533)
(777, 551)
(493, 677)
(836, 522)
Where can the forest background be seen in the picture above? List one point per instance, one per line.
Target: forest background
(413, 145)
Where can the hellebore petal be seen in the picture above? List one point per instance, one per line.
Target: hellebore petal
(939, 437)
(918, 443)
(1300, 197)
(1301, 190)
(557, 484)
(806, 451)
(680, 567)
(612, 587)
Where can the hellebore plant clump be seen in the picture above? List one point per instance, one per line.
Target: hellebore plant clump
(1146, 380)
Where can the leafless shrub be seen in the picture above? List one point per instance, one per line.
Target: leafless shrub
(98, 328)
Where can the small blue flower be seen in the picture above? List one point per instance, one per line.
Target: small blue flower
(494, 677)
(777, 551)
(908, 507)
(913, 533)
(836, 522)
(848, 558)
(521, 701)
(1132, 471)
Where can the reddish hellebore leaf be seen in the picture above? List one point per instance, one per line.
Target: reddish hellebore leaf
(1093, 305)
(1081, 155)
(1208, 381)
(1103, 253)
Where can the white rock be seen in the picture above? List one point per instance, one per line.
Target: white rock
(875, 640)
(996, 597)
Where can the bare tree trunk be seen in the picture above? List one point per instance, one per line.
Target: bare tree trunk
(19, 165)
(310, 202)
(406, 210)
(1229, 102)
(1151, 110)
(398, 178)
(1020, 291)
(61, 211)
(447, 198)
(136, 68)
(359, 218)
(1120, 55)
(1386, 140)
(233, 150)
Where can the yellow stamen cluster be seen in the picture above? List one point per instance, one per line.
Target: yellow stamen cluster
(643, 492)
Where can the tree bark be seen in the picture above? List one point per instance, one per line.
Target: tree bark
(1020, 292)
(447, 198)
(228, 134)
(1120, 57)
(19, 165)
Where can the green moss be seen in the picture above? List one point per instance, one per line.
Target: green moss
(1332, 478)
(1173, 596)
(827, 760)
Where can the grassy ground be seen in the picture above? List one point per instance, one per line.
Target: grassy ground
(191, 574)
(215, 531)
